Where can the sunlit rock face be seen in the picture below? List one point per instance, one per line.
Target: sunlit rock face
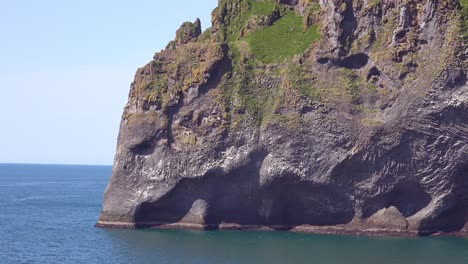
(317, 116)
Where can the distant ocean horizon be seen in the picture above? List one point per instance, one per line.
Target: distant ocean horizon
(48, 212)
(55, 164)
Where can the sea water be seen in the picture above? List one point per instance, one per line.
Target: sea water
(48, 212)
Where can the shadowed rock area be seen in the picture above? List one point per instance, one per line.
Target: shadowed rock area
(317, 116)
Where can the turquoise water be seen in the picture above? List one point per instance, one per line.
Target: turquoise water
(47, 213)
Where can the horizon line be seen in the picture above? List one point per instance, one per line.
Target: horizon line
(56, 164)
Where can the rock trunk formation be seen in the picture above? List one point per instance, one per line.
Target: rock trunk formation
(331, 116)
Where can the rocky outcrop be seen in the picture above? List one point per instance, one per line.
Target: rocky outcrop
(352, 118)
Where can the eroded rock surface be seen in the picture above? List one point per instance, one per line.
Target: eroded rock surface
(361, 129)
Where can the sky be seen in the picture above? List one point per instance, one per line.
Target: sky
(66, 69)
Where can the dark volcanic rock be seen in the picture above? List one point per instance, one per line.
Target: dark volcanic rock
(365, 130)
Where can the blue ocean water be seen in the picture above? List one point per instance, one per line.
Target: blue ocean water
(47, 213)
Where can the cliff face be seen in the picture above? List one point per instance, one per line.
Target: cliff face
(323, 116)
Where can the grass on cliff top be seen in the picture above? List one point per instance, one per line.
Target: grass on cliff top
(284, 39)
(464, 4)
(248, 8)
(262, 8)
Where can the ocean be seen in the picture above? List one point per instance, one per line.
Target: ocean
(48, 212)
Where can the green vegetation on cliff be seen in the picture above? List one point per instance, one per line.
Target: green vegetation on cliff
(241, 13)
(284, 39)
(464, 5)
(272, 32)
(258, 33)
(262, 8)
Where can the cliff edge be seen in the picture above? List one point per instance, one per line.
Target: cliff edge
(331, 116)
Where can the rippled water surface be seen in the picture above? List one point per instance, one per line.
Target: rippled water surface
(47, 213)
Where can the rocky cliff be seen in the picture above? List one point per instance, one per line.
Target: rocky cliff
(323, 116)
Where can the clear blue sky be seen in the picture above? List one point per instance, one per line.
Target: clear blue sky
(66, 67)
